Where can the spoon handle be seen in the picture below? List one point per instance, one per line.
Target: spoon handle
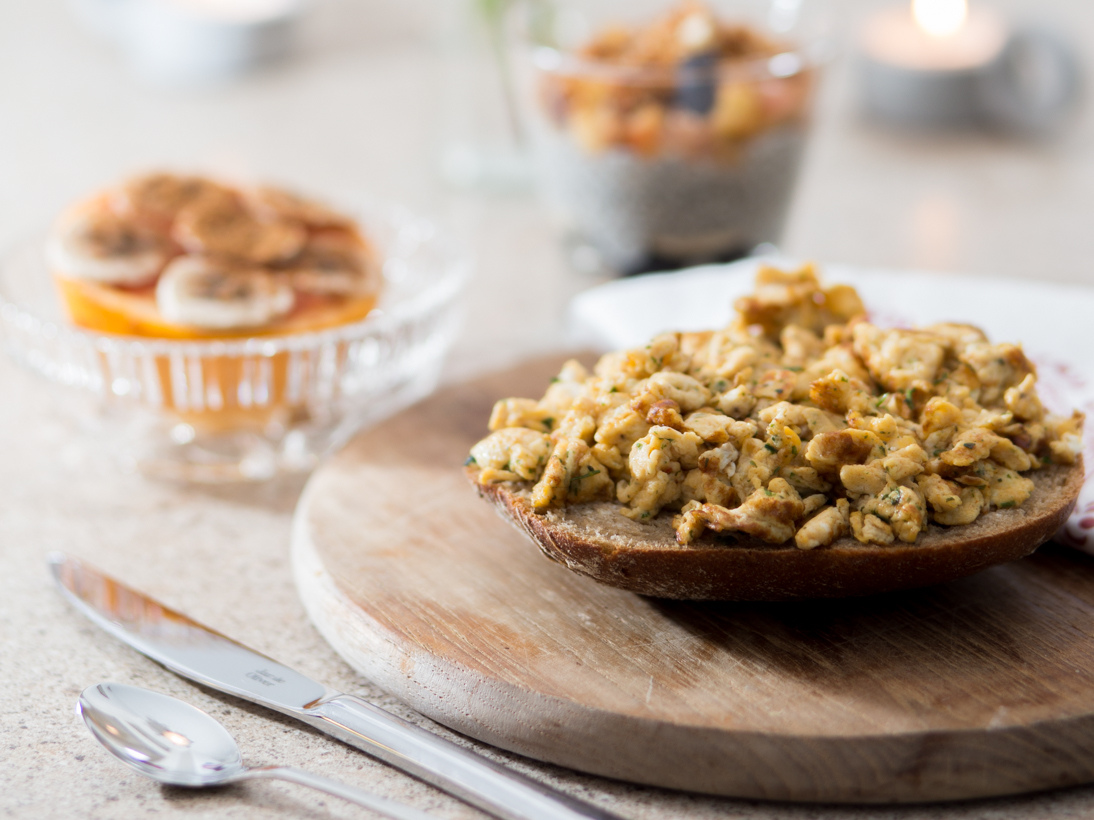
(380, 805)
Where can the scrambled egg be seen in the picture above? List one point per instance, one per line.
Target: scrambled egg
(801, 420)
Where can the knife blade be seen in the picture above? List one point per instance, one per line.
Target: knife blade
(204, 655)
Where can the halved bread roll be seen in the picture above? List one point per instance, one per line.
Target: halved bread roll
(595, 540)
(800, 452)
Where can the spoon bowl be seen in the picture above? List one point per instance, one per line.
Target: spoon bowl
(173, 742)
(160, 736)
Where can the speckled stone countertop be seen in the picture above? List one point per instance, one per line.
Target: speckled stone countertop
(71, 118)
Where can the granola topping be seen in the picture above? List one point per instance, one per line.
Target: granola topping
(685, 85)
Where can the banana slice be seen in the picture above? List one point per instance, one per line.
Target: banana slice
(205, 293)
(96, 244)
(335, 264)
(224, 226)
(156, 199)
(277, 203)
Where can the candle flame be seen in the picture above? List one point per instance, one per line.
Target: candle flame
(940, 18)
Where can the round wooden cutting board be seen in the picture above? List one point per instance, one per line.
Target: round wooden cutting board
(983, 686)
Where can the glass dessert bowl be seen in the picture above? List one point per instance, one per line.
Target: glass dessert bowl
(669, 136)
(220, 367)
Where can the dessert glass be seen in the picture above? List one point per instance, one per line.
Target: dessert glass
(246, 408)
(637, 172)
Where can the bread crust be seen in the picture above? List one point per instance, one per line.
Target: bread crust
(594, 539)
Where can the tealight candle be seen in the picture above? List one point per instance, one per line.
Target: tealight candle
(193, 41)
(922, 62)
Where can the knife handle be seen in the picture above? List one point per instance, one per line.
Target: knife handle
(449, 767)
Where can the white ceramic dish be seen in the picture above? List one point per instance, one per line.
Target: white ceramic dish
(1051, 321)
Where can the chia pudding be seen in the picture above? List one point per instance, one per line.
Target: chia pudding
(671, 143)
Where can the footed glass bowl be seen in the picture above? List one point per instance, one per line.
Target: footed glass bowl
(250, 408)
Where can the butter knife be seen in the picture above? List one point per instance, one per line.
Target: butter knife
(201, 654)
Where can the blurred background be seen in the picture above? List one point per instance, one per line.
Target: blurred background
(362, 101)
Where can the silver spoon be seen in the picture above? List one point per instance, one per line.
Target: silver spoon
(173, 742)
